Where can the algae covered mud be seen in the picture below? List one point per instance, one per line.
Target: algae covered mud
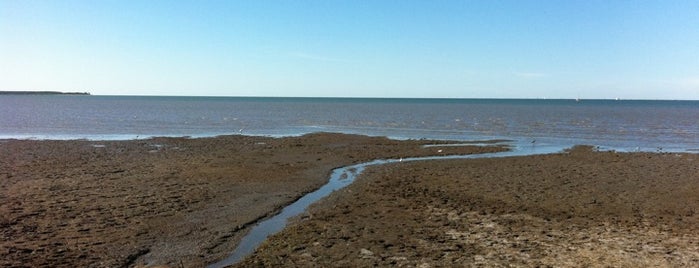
(188, 202)
(173, 201)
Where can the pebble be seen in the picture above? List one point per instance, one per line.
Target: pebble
(366, 254)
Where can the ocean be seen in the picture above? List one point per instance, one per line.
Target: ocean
(629, 125)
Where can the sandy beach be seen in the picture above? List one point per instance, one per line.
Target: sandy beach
(580, 208)
(176, 202)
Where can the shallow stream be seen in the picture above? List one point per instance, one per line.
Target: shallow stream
(342, 177)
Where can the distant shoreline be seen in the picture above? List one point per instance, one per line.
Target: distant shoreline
(42, 93)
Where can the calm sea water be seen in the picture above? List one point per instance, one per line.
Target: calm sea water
(626, 125)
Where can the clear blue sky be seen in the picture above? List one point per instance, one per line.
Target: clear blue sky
(459, 49)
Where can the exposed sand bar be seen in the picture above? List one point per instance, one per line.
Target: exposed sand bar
(576, 209)
(163, 201)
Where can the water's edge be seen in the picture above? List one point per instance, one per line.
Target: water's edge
(340, 178)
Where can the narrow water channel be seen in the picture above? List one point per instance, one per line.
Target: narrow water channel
(340, 178)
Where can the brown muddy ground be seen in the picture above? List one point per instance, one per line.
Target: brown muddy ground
(164, 201)
(579, 209)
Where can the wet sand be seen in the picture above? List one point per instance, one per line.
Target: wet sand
(575, 209)
(164, 201)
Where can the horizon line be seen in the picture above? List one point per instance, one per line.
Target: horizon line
(87, 93)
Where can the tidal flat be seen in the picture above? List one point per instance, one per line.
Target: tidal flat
(164, 201)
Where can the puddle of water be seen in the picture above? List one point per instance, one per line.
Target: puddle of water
(340, 178)
(462, 144)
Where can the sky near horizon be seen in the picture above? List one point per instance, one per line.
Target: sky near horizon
(427, 49)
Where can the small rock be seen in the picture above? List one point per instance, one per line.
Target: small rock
(366, 254)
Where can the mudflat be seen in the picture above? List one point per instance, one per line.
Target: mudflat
(580, 208)
(178, 202)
